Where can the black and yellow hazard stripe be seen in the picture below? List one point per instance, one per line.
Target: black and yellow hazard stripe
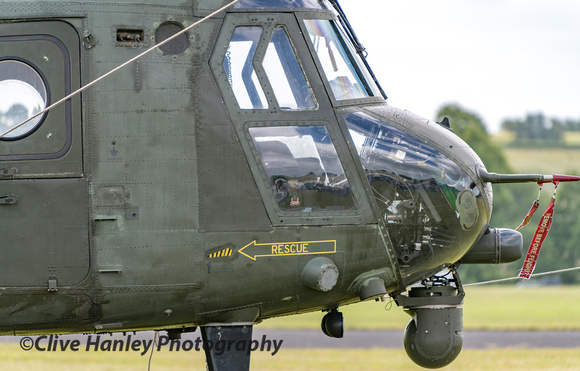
(222, 253)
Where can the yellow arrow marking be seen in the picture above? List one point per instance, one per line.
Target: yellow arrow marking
(255, 250)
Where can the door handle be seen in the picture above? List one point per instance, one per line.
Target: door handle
(8, 200)
(8, 172)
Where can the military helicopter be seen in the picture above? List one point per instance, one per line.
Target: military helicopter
(242, 165)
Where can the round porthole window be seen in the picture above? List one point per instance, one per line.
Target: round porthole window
(23, 94)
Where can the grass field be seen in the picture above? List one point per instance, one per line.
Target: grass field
(543, 160)
(14, 359)
(485, 308)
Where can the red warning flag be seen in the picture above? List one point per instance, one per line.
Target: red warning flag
(528, 217)
(538, 240)
(533, 209)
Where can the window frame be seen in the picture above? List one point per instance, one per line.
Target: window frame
(253, 89)
(361, 212)
(57, 139)
(335, 102)
(325, 116)
(297, 185)
(268, 22)
(298, 69)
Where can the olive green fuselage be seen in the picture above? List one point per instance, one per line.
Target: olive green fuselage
(145, 202)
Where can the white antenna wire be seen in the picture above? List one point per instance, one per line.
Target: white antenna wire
(518, 278)
(121, 66)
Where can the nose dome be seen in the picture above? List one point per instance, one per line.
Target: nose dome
(433, 209)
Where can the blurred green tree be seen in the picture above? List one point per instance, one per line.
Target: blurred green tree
(536, 130)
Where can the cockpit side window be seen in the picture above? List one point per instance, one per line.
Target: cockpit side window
(239, 68)
(343, 69)
(285, 73)
(280, 63)
(303, 168)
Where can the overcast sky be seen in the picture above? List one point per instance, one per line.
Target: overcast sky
(497, 58)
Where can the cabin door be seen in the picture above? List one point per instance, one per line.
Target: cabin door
(43, 195)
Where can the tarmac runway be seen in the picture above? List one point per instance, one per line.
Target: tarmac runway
(394, 339)
(358, 338)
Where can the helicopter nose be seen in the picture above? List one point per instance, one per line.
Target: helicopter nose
(427, 191)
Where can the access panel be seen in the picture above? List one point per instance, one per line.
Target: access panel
(44, 230)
